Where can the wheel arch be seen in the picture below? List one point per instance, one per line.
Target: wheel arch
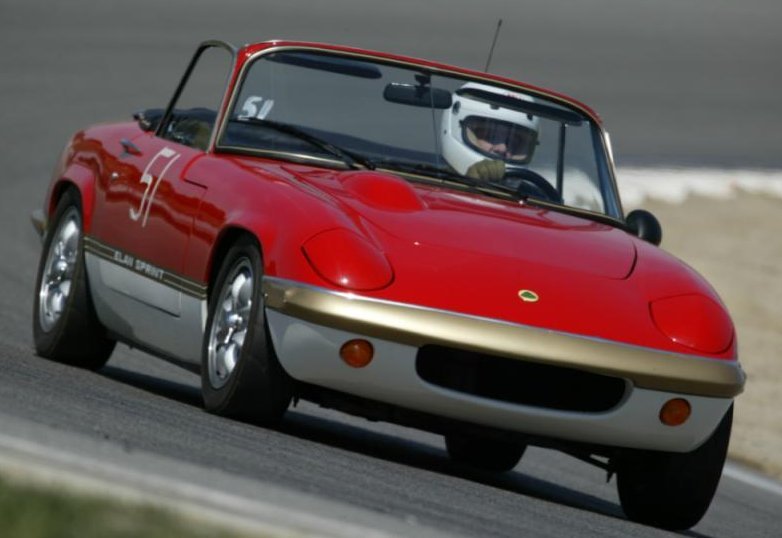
(82, 180)
(227, 237)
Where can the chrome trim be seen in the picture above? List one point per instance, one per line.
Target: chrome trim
(145, 268)
(609, 154)
(62, 260)
(230, 323)
(289, 156)
(417, 326)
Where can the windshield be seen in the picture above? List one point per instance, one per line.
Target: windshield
(327, 108)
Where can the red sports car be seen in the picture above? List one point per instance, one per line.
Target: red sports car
(399, 239)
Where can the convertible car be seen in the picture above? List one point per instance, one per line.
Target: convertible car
(401, 240)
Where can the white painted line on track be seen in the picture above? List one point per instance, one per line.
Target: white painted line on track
(752, 478)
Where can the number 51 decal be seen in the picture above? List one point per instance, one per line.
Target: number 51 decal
(165, 158)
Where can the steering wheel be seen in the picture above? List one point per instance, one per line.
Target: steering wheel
(529, 183)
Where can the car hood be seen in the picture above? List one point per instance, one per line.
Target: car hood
(475, 255)
(465, 226)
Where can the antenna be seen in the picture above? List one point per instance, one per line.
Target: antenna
(491, 51)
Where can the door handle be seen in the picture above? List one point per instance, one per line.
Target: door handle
(129, 148)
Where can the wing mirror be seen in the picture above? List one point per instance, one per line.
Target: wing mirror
(645, 225)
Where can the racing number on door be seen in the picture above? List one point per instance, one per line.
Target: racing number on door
(164, 158)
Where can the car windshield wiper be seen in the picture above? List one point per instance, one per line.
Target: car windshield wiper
(575, 212)
(351, 159)
(428, 169)
(447, 174)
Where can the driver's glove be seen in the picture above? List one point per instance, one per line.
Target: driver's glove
(487, 170)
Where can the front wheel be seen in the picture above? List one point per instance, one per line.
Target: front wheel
(65, 326)
(486, 454)
(672, 490)
(240, 374)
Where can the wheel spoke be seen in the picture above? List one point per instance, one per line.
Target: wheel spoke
(57, 301)
(230, 321)
(65, 288)
(236, 289)
(59, 269)
(238, 337)
(219, 362)
(231, 356)
(245, 292)
(70, 235)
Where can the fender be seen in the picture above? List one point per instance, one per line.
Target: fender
(80, 176)
(258, 199)
(261, 227)
(279, 244)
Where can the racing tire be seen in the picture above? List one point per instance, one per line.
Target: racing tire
(672, 490)
(66, 328)
(484, 454)
(240, 374)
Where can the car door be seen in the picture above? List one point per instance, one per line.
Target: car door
(144, 217)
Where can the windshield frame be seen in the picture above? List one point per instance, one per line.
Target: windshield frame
(606, 168)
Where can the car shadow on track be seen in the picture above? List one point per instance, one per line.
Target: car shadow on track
(426, 457)
(392, 448)
(171, 390)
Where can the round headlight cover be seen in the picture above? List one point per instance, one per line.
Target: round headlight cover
(694, 321)
(347, 260)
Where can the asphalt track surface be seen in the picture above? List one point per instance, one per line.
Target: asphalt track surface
(677, 83)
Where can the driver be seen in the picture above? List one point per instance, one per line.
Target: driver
(479, 139)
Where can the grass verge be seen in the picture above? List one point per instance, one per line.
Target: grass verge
(31, 511)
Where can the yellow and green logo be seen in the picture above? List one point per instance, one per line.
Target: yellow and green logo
(528, 296)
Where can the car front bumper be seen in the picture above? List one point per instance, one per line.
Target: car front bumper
(309, 325)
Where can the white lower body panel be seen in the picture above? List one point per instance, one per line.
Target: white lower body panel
(310, 353)
(145, 311)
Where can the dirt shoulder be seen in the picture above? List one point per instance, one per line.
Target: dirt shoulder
(737, 245)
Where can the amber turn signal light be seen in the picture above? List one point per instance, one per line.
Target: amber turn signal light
(357, 353)
(675, 412)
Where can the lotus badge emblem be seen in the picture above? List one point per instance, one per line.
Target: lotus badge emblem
(528, 296)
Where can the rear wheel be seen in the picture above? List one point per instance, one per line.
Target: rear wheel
(65, 326)
(240, 374)
(485, 454)
(672, 490)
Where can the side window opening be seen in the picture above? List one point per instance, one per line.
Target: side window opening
(194, 112)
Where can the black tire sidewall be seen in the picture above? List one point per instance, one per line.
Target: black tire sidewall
(45, 341)
(77, 338)
(258, 388)
(673, 490)
(486, 454)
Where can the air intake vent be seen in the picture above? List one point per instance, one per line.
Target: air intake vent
(517, 381)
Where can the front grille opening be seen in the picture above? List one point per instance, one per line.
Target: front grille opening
(517, 381)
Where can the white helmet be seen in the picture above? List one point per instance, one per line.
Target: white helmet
(473, 129)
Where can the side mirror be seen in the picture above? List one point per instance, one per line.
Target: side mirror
(645, 225)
